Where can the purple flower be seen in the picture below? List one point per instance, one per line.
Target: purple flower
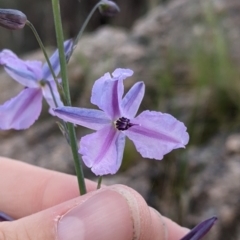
(154, 134)
(23, 110)
(200, 230)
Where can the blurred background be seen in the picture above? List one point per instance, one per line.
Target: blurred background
(73, 14)
(188, 54)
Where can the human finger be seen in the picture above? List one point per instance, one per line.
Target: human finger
(27, 189)
(115, 212)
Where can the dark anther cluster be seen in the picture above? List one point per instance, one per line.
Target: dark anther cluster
(123, 124)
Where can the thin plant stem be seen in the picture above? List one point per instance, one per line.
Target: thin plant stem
(83, 28)
(63, 64)
(59, 87)
(99, 182)
(28, 23)
(51, 90)
(62, 125)
(52, 72)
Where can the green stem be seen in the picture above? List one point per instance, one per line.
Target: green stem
(99, 182)
(83, 28)
(63, 64)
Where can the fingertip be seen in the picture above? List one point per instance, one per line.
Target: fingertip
(164, 228)
(147, 222)
(138, 210)
(175, 232)
(159, 228)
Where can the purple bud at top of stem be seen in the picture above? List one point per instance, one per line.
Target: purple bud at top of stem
(12, 19)
(200, 230)
(108, 8)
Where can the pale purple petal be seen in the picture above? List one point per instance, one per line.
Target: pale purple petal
(132, 100)
(122, 73)
(54, 59)
(97, 89)
(7, 55)
(156, 134)
(27, 73)
(89, 118)
(111, 98)
(107, 93)
(48, 96)
(103, 150)
(21, 111)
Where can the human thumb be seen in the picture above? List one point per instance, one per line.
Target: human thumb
(115, 212)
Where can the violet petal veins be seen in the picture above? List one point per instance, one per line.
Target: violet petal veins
(102, 151)
(23, 110)
(154, 134)
(132, 100)
(200, 230)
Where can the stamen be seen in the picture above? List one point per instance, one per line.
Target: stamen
(123, 124)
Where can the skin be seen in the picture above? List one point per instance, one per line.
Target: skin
(44, 202)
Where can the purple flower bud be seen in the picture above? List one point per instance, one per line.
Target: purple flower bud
(200, 230)
(12, 19)
(108, 8)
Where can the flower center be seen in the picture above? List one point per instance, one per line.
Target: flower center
(123, 124)
(42, 83)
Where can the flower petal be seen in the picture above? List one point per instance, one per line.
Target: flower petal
(200, 230)
(132, 100)
(103, 150)
(156, 134)
(27, 73)
(54, 59)
(107, 92)
(97, 89)
(48, 96)
(122, 73)
(6, 55)
(111, 98)
(90, 118)
(21, 111)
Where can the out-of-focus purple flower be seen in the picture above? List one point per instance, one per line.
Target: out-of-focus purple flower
(200, 230)
(154, 134)
(23, 110)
